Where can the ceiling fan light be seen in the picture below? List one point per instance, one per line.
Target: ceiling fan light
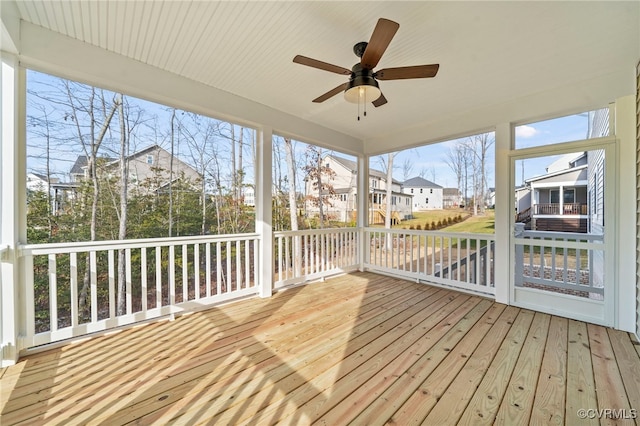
(362, 89)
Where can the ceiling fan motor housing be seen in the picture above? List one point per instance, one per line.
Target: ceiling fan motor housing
(361, 77)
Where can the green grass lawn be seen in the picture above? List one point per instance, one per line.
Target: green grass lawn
(478, 224)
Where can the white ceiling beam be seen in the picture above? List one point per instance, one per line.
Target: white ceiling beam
(54, 53)
(9, 27)
(570, 99)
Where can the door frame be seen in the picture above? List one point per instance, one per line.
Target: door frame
(600, 312)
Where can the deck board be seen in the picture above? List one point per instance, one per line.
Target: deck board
(360, 349)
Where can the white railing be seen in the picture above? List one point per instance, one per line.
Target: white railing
(313, 254)
(460, 260)
(568, 262)
(161, 277)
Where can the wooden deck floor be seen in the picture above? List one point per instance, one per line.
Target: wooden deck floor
(362, 349)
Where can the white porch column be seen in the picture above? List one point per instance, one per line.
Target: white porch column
(363, 207)
(12, 204)
(264, 148)
(625, 129)
(504, 212)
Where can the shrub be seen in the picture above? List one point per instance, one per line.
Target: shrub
(433, 226)
(418, 227)
(411, 227)
(439, 224)
(449, 220)
(427, 226)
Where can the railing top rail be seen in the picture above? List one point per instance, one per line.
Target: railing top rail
(470, 235)
(314, 231)
(81, 246)
(563, 235)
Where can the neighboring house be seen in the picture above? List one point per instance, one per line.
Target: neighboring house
(149, 169)
(557, 199)
(38, 182)
(451, 198)
(427, 195)
(249, 196)
(490, 198)
(343, 203)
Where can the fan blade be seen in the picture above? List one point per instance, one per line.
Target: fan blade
(331, 93)
(380, 101)
(380, 39)
(303, 60)
(400, 73)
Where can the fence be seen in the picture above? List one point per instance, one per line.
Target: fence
(460, 260)
(313, 254)
(73, 289)
(565, 262)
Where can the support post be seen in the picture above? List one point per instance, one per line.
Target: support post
(12, 205)
(363, 209)
(505, 200)
(264, 150)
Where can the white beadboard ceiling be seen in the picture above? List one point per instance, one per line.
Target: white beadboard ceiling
(489, 53)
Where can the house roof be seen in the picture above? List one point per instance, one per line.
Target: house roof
(418, 182)
(450, 191)
(352, 165)
(82, 161)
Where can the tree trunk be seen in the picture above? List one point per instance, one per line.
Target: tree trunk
(122, 230)
(293, 207)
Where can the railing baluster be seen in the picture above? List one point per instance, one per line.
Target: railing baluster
(196, 270)
(94, 286)
(73, 290)
(247, 263)
(185, 274)
(281, 260)
(478, 263)
(158, 276)
(112, 283)
(256, 263)
(238, 266)
(229, 277)
(53, 293)
(458, 269)
(127, 255)
(218, 268)
(143, 279)
(207, 280)
(172, 275)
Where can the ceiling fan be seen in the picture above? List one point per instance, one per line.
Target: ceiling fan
(363, 81)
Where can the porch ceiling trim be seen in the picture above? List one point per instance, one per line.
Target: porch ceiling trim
(575, 98)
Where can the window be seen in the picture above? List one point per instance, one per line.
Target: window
(421, 190)
(412, 190)
(149, 159)
(554, 196)
(393, 200)
(569, 196)
(431, 191)
(427, 200)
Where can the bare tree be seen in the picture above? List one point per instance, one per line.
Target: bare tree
(407, 169)
(455, 159)
(293, 207)
(478, 146)
(91, 114)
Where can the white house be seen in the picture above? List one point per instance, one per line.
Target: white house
(342, 204)
(426, 195)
